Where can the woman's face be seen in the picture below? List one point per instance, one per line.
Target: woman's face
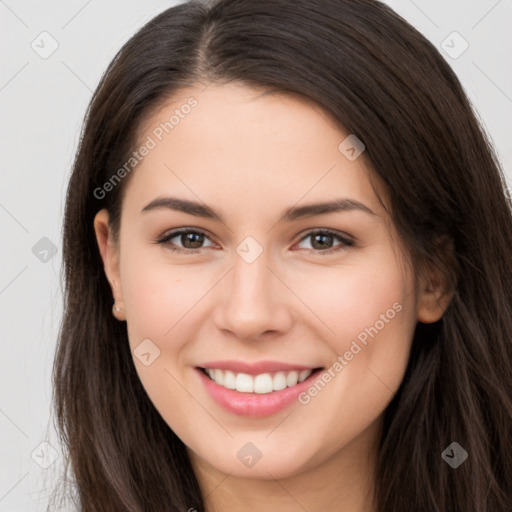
(251, 293)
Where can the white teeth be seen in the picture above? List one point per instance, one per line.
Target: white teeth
(218, 376)
(292, 379)
(279, 381)
(244, 383)
(229, 379)
(262, 384)
(304, 374)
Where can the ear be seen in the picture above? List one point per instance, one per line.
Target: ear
(435, 291)
(110, 256)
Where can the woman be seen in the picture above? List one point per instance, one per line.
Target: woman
(306, 237)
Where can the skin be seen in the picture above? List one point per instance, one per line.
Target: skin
(250, 156)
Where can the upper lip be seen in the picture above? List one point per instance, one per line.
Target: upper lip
(255, 368)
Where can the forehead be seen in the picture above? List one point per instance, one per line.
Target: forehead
(247, 146)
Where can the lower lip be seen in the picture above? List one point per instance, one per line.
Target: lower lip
(255, 405)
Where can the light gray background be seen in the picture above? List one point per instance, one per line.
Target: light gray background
(42, 103)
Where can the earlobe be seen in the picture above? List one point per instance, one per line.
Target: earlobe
(109, 256)
(433, 298)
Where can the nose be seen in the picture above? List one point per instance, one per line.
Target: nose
(255, 303)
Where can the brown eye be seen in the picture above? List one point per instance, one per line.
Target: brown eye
(322, 241)
(190, 240)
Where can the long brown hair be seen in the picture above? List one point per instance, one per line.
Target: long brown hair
(388, 85)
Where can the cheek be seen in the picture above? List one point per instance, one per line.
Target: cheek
(372, 314)
(159, 302)
(343, 301)
(158, 295)
(366, 315)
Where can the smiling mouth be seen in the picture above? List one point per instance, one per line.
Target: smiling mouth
(262, 383)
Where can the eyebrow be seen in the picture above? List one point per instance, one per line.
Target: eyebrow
(291, 214)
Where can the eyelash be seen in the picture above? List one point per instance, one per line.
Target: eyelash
(345, 241)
